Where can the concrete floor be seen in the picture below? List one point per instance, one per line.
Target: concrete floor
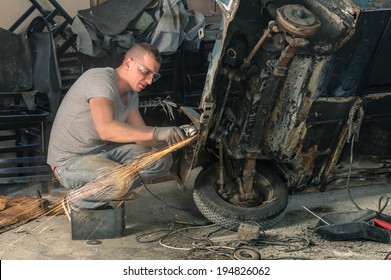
(49, 238)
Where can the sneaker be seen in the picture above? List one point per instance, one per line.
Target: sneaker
(107, 206)
(68, 208)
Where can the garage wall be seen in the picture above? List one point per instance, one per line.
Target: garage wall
(11, 10)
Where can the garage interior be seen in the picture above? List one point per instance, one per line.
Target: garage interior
(160, 221)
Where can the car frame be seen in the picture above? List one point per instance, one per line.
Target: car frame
(296, 98)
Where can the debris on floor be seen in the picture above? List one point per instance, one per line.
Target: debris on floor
(18, 210)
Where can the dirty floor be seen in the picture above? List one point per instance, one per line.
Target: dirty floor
(162, 223)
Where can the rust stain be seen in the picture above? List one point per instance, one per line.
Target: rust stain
(330, 166)
(308, 158)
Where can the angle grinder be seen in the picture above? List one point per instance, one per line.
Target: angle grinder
(189, 130)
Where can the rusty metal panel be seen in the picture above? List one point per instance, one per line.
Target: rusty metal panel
(284, 134)
(356, 58)
(375, 132)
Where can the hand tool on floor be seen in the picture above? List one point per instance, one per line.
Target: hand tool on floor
(380, 223)
(320, 218)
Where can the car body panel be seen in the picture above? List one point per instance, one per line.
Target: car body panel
(333, 90)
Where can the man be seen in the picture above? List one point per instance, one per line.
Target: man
(98, 128)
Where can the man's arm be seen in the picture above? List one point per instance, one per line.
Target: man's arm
(135, 119)
(109, 129)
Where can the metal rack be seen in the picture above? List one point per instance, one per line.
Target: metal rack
(27, 109)
(22, 146)
(57, 28)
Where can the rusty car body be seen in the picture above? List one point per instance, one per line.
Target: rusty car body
(297, 96)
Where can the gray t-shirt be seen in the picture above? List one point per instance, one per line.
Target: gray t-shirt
(73, 131)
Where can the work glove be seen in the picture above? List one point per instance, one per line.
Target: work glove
(171, 134)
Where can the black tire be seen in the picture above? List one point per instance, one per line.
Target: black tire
(227, 215)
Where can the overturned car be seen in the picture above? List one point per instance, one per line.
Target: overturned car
(297, 96)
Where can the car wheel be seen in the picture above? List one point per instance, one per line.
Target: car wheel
(266, 210)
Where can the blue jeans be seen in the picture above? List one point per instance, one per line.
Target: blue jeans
(96, 179)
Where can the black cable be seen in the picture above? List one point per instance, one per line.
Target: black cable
(284, 244)
(171, 230)
(381, 209)
(350, 172)
(167, 232)
(211, 253)
(141, 236)
(181, 230)
(165, 203)
(204, 223)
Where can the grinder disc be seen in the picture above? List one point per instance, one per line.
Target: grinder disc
(246, 254)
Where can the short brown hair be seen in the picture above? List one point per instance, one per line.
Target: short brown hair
(139, 49)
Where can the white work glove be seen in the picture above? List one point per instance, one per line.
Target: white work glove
(171, 134)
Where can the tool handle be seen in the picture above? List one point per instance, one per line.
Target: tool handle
(380, 223)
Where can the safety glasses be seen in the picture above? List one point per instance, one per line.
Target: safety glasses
(146, 72)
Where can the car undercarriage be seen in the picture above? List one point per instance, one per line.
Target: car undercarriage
(297, 96)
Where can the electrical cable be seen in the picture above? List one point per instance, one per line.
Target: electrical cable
(180, 231)
(139, 237)
(208, 249)
(165, 203)
(289, 244)
(211, 253)
(284, 244)
(380, 207)
(204, 223)
(172, 247)
(165, 232)
(350, 172)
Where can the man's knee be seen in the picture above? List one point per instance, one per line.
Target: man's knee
(166, 163)
(156, 169)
